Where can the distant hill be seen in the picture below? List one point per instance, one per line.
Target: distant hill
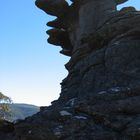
(21, 111)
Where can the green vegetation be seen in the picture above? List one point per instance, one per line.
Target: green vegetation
(11, 112)
(4, 106)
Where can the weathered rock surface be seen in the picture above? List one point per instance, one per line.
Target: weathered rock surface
(100, 97)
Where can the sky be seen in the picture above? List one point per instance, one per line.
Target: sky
(31, 70)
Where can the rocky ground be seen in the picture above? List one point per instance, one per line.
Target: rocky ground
(100, 97)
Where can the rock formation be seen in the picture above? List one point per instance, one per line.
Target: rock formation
(100, 97)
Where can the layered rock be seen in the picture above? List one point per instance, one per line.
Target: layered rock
(100, 96)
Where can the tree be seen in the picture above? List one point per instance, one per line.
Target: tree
(4, 106)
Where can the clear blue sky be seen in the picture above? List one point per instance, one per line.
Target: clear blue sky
(30, 68)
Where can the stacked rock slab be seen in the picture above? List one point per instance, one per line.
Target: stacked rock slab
(100, 97)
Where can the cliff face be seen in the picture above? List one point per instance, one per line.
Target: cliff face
(100, 97)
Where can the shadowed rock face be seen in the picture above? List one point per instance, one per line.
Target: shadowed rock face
(77, 21)
(100, 96)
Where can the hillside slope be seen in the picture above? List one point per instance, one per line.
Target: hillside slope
(21, 111)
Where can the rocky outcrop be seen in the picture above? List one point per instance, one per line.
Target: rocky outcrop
(100, 96)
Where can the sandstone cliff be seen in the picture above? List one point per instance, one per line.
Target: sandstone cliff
(100, 97)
